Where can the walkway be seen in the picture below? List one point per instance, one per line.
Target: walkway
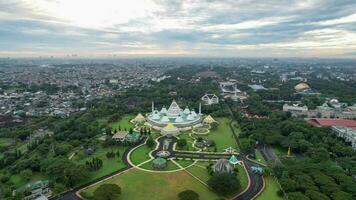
(256, 182)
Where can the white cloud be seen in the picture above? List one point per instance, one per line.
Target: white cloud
(342, 20)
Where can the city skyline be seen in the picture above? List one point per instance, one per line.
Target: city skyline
(247, 28)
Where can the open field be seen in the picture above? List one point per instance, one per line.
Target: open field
(222, 135)
(109, 165)
(184, 163)
(137, 185)
(170, 166)
(199, 170)
(19, 180)
(123, 123)
(270, 191)
(190, 141)
(140, 154)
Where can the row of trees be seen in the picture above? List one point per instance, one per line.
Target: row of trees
(327, 165)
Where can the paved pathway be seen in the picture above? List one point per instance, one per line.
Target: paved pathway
(70, 195)
(256, 182)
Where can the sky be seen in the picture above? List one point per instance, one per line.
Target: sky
(201, 28)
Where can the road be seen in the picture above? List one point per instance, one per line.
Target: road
(256, 181)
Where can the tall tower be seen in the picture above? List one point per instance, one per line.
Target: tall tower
(153, 106)
(199, 108)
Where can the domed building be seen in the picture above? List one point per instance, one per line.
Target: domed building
(159, 163)
(174, 115)
(139, 118)
(170, 129)
(301, 86)
(223, 166)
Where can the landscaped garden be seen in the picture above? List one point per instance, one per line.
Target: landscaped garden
(270, 191)
(137, 184)
(110, 165)
(123, 123)
(222, 135)
(140, 154)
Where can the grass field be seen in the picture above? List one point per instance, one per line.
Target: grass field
(199, 170)
(190, 141)
(109, 165)
(270, 191)
(138, 185)
(184, 163)
(222, 136)
(124, 122)
(280, 151)
(19, 181)
(170, 166)
(259, 157)
(140, 154)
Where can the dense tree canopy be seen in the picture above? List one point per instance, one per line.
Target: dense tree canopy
(224, 183)
(188, 195)
(107, 192)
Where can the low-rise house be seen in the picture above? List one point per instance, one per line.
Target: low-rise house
(210, 99)
(120, 136)
(35, 190)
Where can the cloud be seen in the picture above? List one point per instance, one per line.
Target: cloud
(181, 27)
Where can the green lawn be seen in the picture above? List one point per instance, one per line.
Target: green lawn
(270, 191)
(138, 185)
(199, 170)
(190, 141)
(109, 165)
(242, 176)
(124, 122)
(170, 166)
(280, 151)
(19, 181)
(259, 157)
(222, 136)
(184, 163)
(140, 154)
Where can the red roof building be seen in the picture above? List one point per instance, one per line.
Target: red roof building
(332, 122)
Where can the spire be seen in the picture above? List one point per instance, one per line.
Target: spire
(289, 152)
(153, 106)
(199, 108)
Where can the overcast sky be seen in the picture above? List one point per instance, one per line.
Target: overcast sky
(221, 28)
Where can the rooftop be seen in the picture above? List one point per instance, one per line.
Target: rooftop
(332, 122)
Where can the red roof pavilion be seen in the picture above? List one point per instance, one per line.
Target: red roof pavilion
(332, 122)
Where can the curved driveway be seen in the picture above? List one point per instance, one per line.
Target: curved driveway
(256, 182)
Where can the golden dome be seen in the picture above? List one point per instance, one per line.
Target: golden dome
(301, 86)
(170, 126)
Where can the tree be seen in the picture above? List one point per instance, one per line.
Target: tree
(107, 192)
(110, 154)
(150, 142)
(297, 196)
(245, 144)
(188, 195)
(316, 195)
(224, 184)
(214, 125)
(181, 142)
(118, 154)
(27, 174)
